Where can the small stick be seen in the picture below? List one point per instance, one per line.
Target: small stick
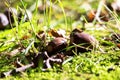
(17, 70)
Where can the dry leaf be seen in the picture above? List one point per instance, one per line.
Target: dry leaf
(59, 33)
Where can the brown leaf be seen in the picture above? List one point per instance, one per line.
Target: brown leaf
(59, 33)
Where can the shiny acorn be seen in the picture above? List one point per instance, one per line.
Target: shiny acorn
(83, 41)
(56, 45)
(3, 21)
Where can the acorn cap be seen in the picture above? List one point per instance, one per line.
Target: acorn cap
(56, 45)
(3, 21)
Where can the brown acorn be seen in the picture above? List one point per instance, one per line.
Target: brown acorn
(56, 45)
(3, 21)
(10, 13)
(104, 16)
(83, 41)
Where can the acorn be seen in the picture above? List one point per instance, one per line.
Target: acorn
(24, 15)
(10, 13)
(83, 41)
(3, 21)
(90, 16)
(56, 45)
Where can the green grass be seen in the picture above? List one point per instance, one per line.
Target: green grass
(84, 66)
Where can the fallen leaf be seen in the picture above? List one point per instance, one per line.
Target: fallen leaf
(59, 33)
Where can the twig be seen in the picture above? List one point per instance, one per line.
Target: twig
(17, 70)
